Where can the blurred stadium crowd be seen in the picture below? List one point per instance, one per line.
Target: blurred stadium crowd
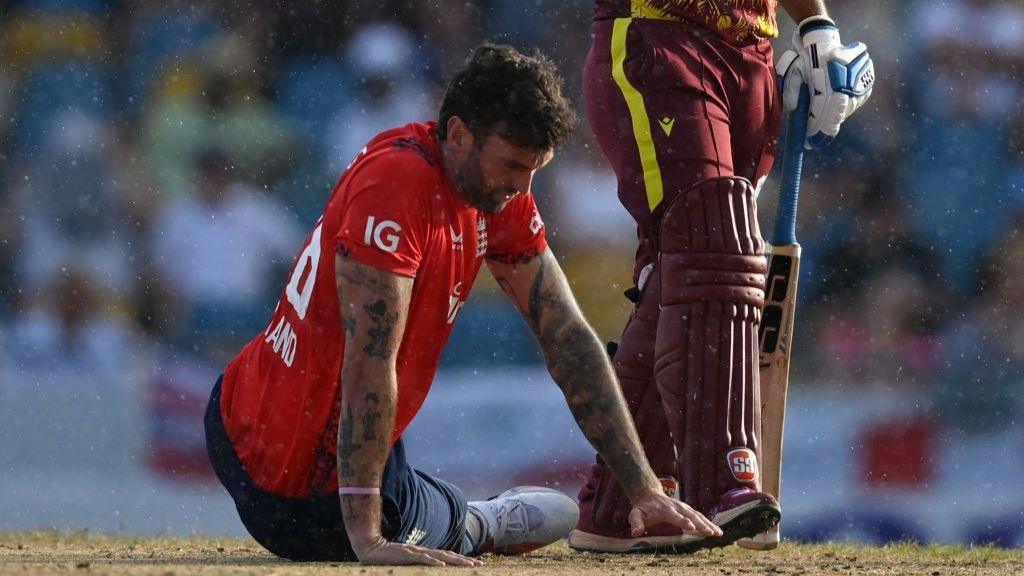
(163, 160)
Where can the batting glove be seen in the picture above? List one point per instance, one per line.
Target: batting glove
(840, 78)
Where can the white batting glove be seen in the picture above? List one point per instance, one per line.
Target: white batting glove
(840, 78)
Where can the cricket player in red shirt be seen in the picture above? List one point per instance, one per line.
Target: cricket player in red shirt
(682, 97)
(305, 427)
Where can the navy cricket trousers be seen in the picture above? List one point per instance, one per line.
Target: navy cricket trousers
(417, 508)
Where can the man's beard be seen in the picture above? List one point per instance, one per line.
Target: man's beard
(470, 181)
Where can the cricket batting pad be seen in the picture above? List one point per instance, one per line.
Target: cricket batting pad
(706, 353)
(634, 367)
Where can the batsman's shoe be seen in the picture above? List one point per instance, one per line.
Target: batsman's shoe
(743, 513)
(591, 537)
(524, 519)
(764, 541)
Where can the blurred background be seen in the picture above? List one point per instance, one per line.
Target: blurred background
(162, 161)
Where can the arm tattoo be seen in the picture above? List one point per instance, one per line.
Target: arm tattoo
(346, 444)
(383, 322)
(369, 384)
(359, 277)
(508, 288)
(543, 297)
(370, 417)
(580, 366)
(348, 508)
(518, 258)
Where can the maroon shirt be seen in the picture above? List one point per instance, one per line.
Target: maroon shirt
(735, 21)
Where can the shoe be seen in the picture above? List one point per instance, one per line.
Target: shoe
(665, 538)
(764, 541)
(743, 513)
(524, 519)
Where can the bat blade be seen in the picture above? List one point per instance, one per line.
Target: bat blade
(776, 337)
(776, 343)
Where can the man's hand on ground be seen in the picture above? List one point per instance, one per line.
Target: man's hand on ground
(654, 507)
(382, 552)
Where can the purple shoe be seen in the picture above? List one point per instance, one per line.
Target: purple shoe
(743, 513)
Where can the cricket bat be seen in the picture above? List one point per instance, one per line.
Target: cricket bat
(776, 331)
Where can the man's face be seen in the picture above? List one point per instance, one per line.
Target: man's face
(492, 172)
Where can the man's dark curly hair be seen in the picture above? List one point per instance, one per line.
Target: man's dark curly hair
(500, 88)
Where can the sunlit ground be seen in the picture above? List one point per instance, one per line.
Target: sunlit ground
(85, 553)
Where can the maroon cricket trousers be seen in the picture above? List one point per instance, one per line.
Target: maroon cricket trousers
(673, 105)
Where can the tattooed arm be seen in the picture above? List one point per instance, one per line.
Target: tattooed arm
(374, 304)
(580, 366)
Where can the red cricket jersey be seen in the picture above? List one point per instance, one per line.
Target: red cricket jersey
(393, 209)
(735, 21)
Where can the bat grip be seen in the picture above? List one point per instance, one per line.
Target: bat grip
(792, 164)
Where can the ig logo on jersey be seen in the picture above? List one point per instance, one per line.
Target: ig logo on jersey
(383, 235)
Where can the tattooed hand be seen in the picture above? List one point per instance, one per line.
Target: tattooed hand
(579, 365)
(374, 304)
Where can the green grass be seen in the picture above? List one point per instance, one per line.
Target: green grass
(80, 552)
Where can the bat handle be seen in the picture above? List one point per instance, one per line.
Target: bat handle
(792, 164)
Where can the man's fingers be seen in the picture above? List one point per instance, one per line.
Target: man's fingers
(427, 560)
(454, 559)
(707, 527)
(701, 522)
(636, 522)
(671, 511)
(685, 522)
(448, 557)
(676, 517)
(406, 555)
(395, 554)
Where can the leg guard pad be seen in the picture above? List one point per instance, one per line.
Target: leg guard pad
(712, 289)
(604, 507)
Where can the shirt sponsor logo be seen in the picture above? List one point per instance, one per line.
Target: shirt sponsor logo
(743, 464)
(384, 235)
(456, 238)
(481, 236)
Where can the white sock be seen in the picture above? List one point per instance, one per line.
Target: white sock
(475, 531)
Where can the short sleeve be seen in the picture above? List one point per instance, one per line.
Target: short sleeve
(385, 221)
(517, 232)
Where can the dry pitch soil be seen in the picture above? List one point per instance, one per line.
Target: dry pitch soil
(88, 554)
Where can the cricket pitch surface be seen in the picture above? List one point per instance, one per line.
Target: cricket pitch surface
(29, 554)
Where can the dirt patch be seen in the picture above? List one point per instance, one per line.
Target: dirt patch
(90, 554)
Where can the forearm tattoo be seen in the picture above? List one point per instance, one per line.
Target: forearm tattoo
(348, 506)
(346, 444)
(579, 365)
(368, 376)
(371, 417)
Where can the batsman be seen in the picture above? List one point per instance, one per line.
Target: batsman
(684, 101)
